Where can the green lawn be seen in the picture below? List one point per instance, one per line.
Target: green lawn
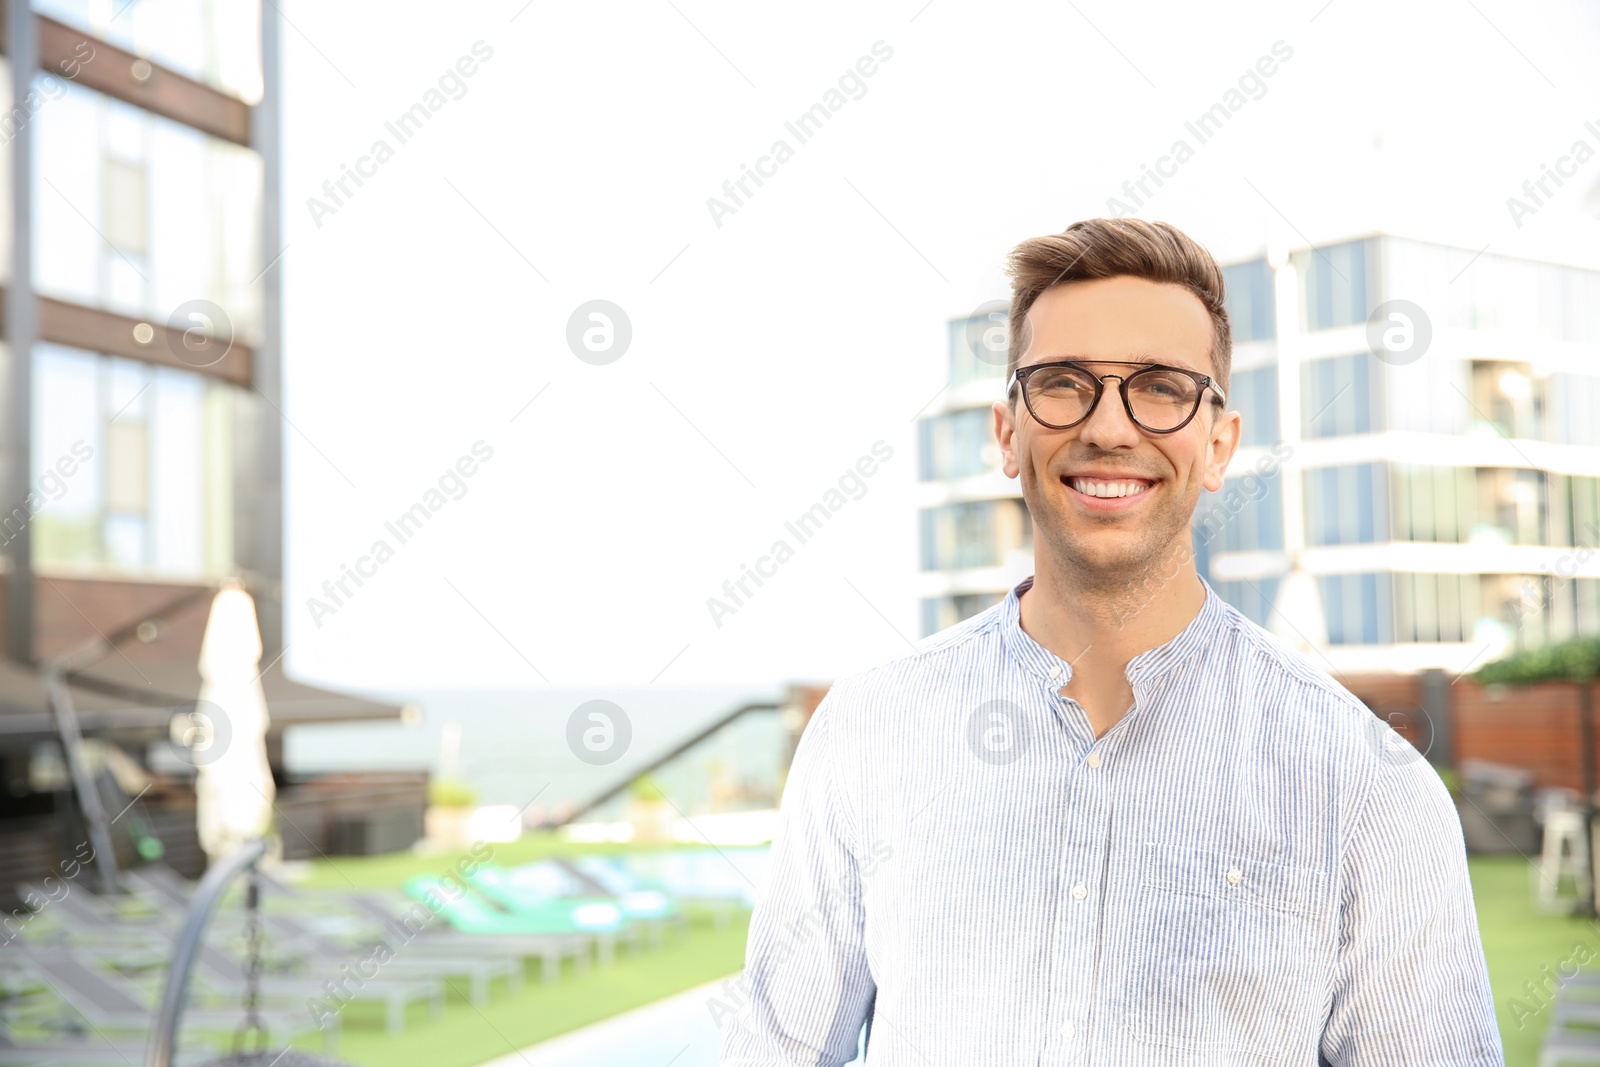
(1518, 942)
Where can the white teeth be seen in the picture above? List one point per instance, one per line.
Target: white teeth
(1093, 487)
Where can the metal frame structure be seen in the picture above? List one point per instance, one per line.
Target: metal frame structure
(164, 1034)
(666, 757)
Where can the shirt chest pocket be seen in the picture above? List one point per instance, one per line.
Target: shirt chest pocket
(1227, 952)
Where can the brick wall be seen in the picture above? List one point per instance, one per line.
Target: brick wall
(1536, 727)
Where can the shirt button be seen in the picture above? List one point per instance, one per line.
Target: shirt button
(1068, 1030)
(1055, 672)
(1094, 760)
(1233, 876)
(1079, 891)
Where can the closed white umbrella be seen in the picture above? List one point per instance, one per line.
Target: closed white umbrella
(1297, 617)
(233, 790)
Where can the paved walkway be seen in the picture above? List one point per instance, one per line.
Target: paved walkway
(675, 1032)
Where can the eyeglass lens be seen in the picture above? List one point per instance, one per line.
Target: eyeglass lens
(1161, 399)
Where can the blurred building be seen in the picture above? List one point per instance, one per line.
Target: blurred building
(142, 390)
(1432, 465)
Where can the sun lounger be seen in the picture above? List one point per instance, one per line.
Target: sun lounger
(1565, 1047)
(1572, 1039)
(445, 938)
(326, 954)
(645, 907)
(704, 878)
(524, 896)
(118, 1052)
(222, 973)
(471, 913)
(81, 919)
(426, 937)
(479, 970)
(107, 1002)
(162, 884)
(472, 958)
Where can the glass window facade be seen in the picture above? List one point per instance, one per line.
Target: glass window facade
(135, 467)
(1434, 504)
(1427, 396)
(1466, 290)
(1340, 396)
(1347, 505)
(1357, 608)
(1246, 515)
(1507, 396)
(1436, 607)
(1254, 394)
(1541, 609)
(1515, 504)
(1573, 404)
(976, 533)
(1253, 599)
(1333, 285)
(957, 444)
(943, 612)
(1251, 303)
(1455, 505)
(978, 348)
(144, 214)
(1575, 510)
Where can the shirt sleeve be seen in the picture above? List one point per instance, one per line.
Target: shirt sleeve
(806, 988)
(1411, 987)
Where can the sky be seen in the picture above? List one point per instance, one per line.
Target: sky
(584, 510)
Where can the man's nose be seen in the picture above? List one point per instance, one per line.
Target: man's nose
(1108, 425)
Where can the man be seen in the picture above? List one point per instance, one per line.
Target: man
(1109, 820)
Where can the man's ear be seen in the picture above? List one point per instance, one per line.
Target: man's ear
(1005, 433)
(1223, 443)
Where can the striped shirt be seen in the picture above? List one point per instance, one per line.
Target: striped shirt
(1248, 868)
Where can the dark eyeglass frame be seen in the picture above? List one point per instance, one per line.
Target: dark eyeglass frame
(1020, 376)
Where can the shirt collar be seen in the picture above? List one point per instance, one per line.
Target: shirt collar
(1152, 663)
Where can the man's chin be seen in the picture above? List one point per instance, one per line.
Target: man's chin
(1110, 556)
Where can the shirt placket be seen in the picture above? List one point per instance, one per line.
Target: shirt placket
(1080, 880)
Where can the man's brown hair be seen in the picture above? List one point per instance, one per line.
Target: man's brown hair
(1109, 248)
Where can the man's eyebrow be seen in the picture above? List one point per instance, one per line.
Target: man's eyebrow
(1142, 358)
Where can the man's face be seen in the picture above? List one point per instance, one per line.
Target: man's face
(1114, 538)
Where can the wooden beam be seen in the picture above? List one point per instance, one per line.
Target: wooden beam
(77, 56)
(107, 332)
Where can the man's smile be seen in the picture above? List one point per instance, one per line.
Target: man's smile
(1107, 491)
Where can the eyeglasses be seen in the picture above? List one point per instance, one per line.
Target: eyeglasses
(1159, 399)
